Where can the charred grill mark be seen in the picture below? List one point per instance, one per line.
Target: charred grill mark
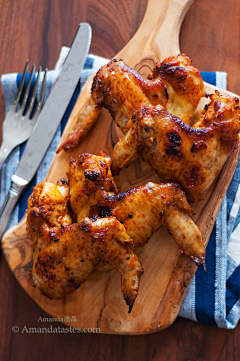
(197, 146)
(91, 175)
(106, 206)
(202, 133)
(104, 211)
(166, 92)
(155, 112)
(178, 73)
(175, 143)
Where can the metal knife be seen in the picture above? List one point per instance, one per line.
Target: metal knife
(48, 121)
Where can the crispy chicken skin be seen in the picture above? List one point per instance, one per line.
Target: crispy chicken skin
(65, 254)
(53, 202)
(142, 210)
(48, 209)
(174, 84)
(88, 175)
(192, 156)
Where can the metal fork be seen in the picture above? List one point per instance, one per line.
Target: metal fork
(18, 125)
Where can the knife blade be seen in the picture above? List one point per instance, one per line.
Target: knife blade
(48, 121)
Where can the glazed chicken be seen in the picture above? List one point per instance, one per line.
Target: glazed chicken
(192, 156)
(65, 254)
(142, 210)
(88, 176)
(174, 84)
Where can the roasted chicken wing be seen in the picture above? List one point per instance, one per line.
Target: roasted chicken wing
(191, 156)
(142, 210)
(174, 84)
(65, 254)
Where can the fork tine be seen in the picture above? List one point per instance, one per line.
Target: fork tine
(28, 113)
(19, 120)
(19, 91)
(25, 97)
(40, 101)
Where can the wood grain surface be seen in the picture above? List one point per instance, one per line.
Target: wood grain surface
(37, 30)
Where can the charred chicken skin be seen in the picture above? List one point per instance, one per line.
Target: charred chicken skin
(174, 84)
(191, 156)
(142, 210)
(65, 254)
(88, 176)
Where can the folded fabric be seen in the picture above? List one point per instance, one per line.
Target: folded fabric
(212, 298)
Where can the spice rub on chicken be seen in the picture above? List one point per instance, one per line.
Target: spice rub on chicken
(88, 176)
(174, 83)
(191, 156)
(109, 230)
(65, 254)
(142, 210)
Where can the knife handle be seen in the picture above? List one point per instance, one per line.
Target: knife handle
(17, 184)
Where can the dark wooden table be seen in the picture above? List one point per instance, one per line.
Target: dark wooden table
(37, 30)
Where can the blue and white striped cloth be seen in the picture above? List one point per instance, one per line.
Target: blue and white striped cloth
(212, 298)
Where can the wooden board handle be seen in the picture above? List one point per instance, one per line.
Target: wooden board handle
(158, 35)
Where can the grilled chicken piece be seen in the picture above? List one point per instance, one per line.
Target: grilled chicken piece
(191, 156)
(174, 84)
(48, 209)
(88, 176)
(142, 210)
(65, 254)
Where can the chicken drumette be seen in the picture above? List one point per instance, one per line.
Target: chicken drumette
(191, 156)
(65, 254)
(174, 84)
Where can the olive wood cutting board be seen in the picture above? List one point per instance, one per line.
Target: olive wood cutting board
(98, 303)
